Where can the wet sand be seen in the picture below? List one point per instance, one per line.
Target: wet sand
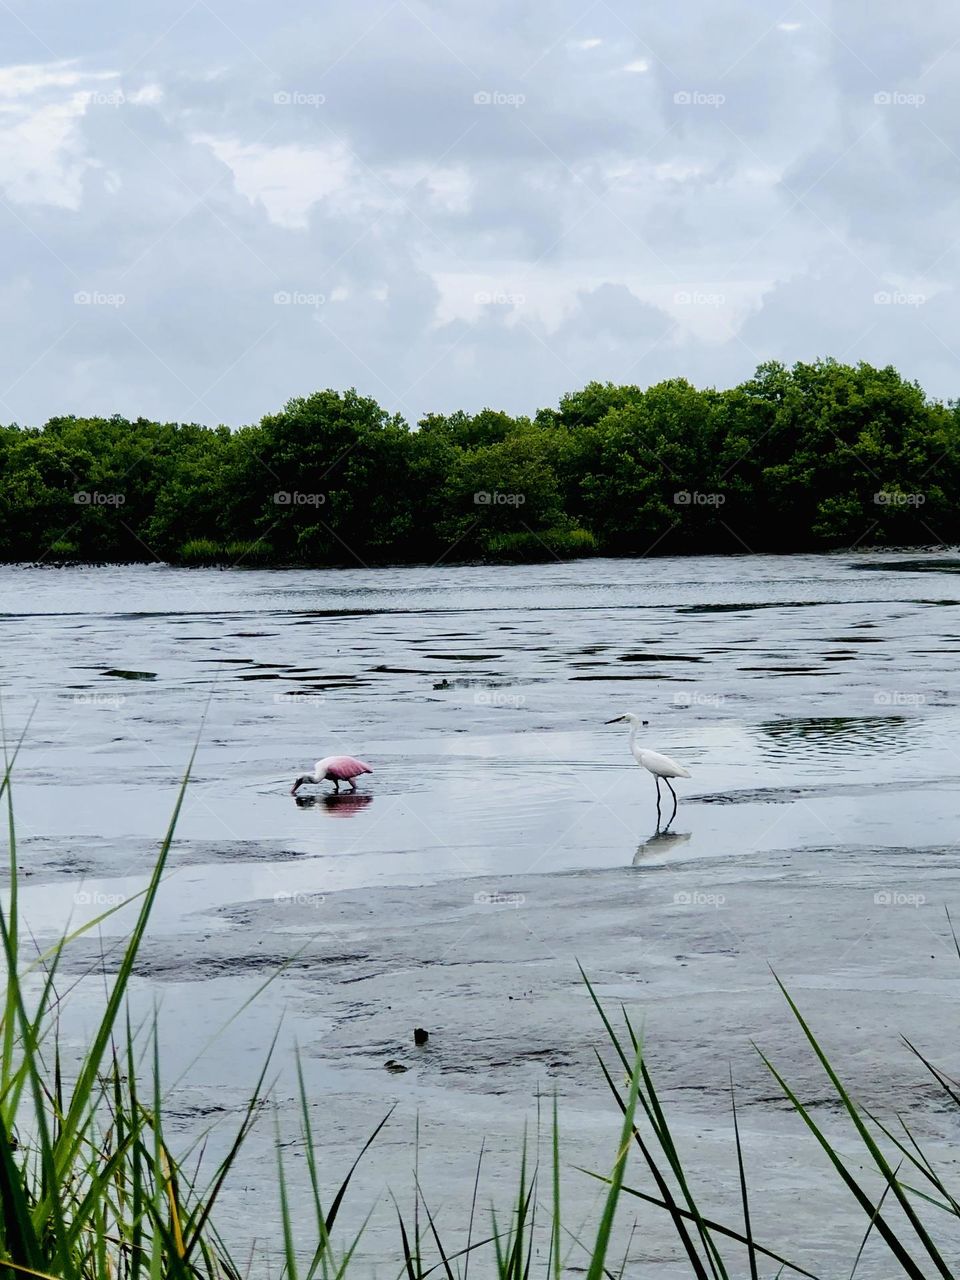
(489, 968)
(504, 836)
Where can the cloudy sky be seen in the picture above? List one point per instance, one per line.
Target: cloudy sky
(208, 207)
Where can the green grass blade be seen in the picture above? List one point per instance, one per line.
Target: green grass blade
(557, 1216)
(669, 1202)
(602, 1243)
(869, 1141)
(728, 1232)
(744, 1196)
(890, 1237)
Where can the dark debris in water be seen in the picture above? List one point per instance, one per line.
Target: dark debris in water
(908, 566)
(121, 674)
(658, 657)
(651, 675)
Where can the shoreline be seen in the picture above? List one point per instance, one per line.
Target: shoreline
(496, 985)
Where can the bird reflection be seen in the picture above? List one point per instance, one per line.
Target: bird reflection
(337, 804)
(660, 842)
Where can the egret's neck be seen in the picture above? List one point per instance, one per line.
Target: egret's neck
(633, 736)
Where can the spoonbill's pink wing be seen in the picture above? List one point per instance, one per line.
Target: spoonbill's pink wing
(341, 768)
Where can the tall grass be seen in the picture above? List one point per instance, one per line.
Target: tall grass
(91, 1190)
(206, 552)
(551, 544)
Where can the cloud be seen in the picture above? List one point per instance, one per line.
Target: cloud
(490, 209)
(286, 180)
(42, 159)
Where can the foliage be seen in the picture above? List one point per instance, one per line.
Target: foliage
(818, 456)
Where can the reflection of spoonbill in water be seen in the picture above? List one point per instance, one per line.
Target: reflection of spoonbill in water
(660, 766)
(338, 804)
(335, 769)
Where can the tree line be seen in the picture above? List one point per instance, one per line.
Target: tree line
(817, 456)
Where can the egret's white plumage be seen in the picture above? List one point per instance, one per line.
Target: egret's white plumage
(658, 764)
(654, 762)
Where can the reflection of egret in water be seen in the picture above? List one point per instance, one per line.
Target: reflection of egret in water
(338, 804)
(834, 735)
(660, 842)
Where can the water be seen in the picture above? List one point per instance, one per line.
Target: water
(815, 700)
(807, 695)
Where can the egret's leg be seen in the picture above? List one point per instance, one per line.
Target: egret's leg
(674, 794)
(657, 781)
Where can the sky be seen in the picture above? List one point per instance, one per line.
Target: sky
(208, 208)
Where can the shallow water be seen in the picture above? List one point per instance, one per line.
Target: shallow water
(809, 699)
(815, 700)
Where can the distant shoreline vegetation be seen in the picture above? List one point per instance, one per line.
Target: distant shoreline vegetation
(815, 457)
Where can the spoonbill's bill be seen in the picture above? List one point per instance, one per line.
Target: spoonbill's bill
(660, 766)
(335, 769)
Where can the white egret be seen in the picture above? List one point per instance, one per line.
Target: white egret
(659, 765)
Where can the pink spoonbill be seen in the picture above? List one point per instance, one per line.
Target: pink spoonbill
(335, 769)
(659, 765)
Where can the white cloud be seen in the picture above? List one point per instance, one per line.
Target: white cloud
(287, 180)
(449, 189)
(598, 199)
(42, 156)
(26, 79)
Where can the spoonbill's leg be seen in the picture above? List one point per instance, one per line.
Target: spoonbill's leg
(674, 794)
(353, 785)
(336, 786)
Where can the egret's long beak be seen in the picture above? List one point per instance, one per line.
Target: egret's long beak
(615, 720)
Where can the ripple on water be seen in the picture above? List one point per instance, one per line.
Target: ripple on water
(834, 735)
